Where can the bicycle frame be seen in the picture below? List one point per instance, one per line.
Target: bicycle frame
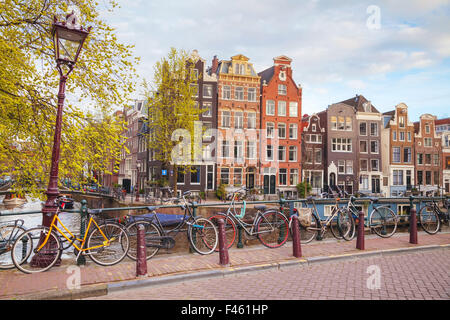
(327, 222)
(73, 238)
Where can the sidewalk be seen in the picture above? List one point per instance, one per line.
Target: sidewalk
(97, 280)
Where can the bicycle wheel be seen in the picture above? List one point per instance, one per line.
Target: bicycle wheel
(109, 251)
(346, 224)
(24, 251)
(272, 229)
(203, 236)
(334, 228)
(309, 230)
(429, 220)
(383, 222)
(230, 228)
(152, 244)
(8, 235)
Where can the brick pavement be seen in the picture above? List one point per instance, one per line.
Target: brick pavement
(13, 283)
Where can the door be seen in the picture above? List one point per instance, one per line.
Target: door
(375, 185)
(210, 177)
(251, 180)
(126, 184)
(272, 184)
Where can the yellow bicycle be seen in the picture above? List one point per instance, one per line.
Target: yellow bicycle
(105, 243)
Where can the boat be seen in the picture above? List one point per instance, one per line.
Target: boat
(12, 199)
(67, 200)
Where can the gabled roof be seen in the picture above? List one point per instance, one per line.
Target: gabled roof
(267, 74)
(358, 103)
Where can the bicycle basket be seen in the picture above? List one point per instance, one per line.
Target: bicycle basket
(304, 216)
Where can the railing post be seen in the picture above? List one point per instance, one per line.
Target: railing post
(83, 216)
(360, 237)
(296, 245)
(194, 214)
(411, 206)
(141, 257)
(240, 244)
(224, 259)
(413, 227)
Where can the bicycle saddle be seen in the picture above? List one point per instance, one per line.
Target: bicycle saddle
(373, 199)
(260, 208)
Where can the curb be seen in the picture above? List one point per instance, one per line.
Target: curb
(104, 289)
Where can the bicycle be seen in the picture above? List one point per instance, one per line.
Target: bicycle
(106, 244)
(269, 226)
(202, 234)
(431, 217)
(382, 220)
(312, 227)
(8, 235)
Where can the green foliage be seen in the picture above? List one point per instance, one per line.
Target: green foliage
(221, 191)
(304, 188)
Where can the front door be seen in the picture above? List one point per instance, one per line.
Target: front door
(375, 185)
(269, 183)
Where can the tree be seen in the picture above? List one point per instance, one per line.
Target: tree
(102, 79)
(304, 188)
(173, 112)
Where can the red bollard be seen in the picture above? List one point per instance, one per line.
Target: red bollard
(141, 255)
(360, 237)
(223, 247)
(296, 245)
(413, 227)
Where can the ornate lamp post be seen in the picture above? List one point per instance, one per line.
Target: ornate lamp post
(68, 41)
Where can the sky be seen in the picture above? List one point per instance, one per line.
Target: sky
(388, 51)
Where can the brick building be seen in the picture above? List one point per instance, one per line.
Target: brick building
(443, 131)
(281, 105)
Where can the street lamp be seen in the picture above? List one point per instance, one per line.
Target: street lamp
(68, 41)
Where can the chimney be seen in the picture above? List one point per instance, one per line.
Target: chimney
(215, 65)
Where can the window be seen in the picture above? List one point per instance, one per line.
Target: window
(226, 93)
(207, 91)
(396, 154)
(394, 135)
(195, 73)
(348, 124)
(363, 129)
(309, 155)
(282, 90)
(292, 153)
(436, 159)
(341, 166)
(428, 158)
(194, 88)
(375, 165)
(374, 148)
(195, 174)
(239, 93)
(293, 109)
(341, 123)
(226, 115)
(398, 177)
(333, 121)
(251, 94)
(238, 149)
(313, 127)
(401, 122)
(237, 176)
(281, 153)
(407, 155)
(251, 149)
(427, 142)
(292, 131)
(270, 107)
(401, 136)
(269, 152)
(282, 130)
(207, 129)
(282, 177)
(363, 146)
(270, 128)
(251, 120)
(225, 149)
(341, 144)
(293, 177)
(282, 108)
(363, 165)
(374, 129)
(207, 106)
(238, 120)
(318, 156)
(419, 177)
(225, 175)
(436, 177)
(349, 166)
(428, 177)
(364, 182)
(409, 136)
(180, 175)
(427, 128)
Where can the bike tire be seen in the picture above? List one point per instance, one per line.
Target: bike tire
(272, 229)
(383, 222)
(203, 236)
(429, 221)
(34, 262)
(346, 224)
(151, 244)
(230, 228)
(309, 232)
(113, 253)
(8, 235)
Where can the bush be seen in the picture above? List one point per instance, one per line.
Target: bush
(304, 188)
(221, 191)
